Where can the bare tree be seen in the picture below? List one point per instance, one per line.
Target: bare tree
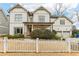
(60, 9)
(77, 14)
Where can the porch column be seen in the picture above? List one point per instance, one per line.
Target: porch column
(25, 30)
(32, 27)
(51, 28)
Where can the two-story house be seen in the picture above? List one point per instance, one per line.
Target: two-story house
(4, 28)
(23, 21)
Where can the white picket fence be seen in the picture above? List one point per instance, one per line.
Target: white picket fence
(36, 45)
(74, 44)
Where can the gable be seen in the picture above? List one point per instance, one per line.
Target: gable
(67, 21)
(18, 7)
(2, 14)
(17, 10)
(42, 10)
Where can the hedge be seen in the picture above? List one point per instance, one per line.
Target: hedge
(13, 36)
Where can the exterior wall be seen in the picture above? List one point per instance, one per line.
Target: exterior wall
(3, 23)
(67, 22)
(14, 23)
(41, 12)
(52, 19)
(67, 28)
(57, 26)
(18, 11)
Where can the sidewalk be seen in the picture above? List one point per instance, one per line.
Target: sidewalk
(39, 54)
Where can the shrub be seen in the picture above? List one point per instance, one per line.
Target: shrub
(41, 33)
(4, 36)
(54, 36)
(13, 36)
(54, 32)
(63, 39)
(46, 34)
(36, 33)
(74, 32)
(10, 37)
(18, 36)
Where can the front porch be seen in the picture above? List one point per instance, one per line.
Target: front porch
(36, 25)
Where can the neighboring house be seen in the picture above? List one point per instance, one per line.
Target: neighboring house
(23, 21)
(4, 29)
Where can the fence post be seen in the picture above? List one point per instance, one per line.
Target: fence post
(5, 44)
(69, 46)
(37, 42)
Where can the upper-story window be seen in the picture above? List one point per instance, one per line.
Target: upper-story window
(18, 17)
(62, 22)
(41, 18)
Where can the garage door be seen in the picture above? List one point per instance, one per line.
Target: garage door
(66, 33)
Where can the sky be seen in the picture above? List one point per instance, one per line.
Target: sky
(6, 6)
(32, 6)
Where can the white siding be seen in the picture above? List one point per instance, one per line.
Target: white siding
(52, 19)
(41, 12)
(12, 26)
(14, 23)
(4, 28)
(67, 27)
(18, 11)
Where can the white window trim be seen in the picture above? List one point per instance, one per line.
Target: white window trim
(41, 19)
(18, 17)
(19, 28)
(61, 22)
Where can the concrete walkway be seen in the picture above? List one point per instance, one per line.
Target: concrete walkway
(39, 54)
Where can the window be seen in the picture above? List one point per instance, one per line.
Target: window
(62, 22)
(18, 17)
(41, 18)
(18, 30)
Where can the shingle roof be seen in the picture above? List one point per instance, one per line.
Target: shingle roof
(52, 16)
